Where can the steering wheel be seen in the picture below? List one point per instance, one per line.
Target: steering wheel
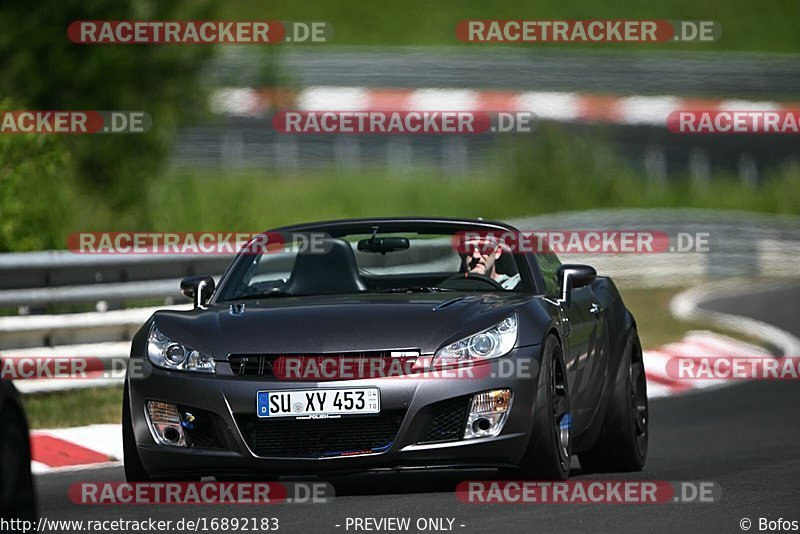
(480, 278)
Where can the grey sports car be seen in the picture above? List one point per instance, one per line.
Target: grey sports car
(394, 342)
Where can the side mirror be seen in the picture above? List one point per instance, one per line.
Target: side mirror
(572, 275)
(198, 288)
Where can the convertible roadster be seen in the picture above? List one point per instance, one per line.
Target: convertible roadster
(388, 343)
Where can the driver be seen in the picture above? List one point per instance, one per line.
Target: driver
(480, 257)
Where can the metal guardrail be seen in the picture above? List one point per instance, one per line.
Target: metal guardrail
(746, 75)
(31, 331)
(110, 354)
(56, 268)
(740, 244)
(122, 291)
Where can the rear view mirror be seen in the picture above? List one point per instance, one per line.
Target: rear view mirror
(383, 245)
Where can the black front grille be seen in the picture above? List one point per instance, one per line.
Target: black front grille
(318, 367)
(447, 420)
(252, 364)
(320, 438)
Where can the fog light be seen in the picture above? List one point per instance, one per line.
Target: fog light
(165, 424)
(488, 413)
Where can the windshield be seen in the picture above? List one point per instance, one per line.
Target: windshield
(374, 263)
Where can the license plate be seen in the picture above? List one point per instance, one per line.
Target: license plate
(298, 403)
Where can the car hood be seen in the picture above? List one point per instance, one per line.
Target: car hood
(338, 323)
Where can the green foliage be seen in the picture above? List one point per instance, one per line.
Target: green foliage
(51, 186)
(553, 171)
(746, 25)
(32, 190)
(43, 70)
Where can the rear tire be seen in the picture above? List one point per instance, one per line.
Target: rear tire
(622, 445)
(550, 449)
(134, 469)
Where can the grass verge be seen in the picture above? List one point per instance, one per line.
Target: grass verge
(62, 409)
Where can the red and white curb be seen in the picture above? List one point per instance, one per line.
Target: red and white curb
(695, 346)
(547, 105)
(83, 447)
(101, 445)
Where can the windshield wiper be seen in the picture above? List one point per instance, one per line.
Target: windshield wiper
(414, 289)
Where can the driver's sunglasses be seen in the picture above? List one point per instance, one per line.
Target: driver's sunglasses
(484, 249)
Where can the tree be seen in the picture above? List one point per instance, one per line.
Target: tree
(43, 70)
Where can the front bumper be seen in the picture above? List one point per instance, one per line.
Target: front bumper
(230, 400)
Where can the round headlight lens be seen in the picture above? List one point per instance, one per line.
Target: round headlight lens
(175, 353)
(483, 344)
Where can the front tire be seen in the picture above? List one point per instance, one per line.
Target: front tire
(622, 445)
(550, 449)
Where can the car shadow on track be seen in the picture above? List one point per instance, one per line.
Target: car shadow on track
(407, 481)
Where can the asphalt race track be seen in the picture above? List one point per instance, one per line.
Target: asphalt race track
(744, 437)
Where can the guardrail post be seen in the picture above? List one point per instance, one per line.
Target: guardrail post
(748, 169)
(655, 164)
(286, 154)
(699, 167)
(232, 149)
(347, 152)
(455, 156)
(399, 154)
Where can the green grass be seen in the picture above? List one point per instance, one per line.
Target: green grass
(80, 407)
(254, 201)
(260, 201)
(551, 171)
(548, 172)
(747, 25)
(656, 325)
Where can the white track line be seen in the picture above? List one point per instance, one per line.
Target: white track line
(686, 306)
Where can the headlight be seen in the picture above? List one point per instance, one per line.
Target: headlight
(492, 343)
(169, 354)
